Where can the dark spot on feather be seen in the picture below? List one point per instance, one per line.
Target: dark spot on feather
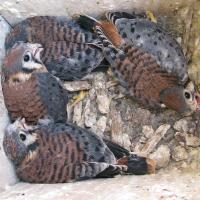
(83, 136)
(102, 159)
(66, 150)
(87, 61)
(78, 146)
(97, 149)
(79, 57)
(124, 35)
(50, 151)
(83, 69)
(72, 157)
(91, 157)
(86, 143)
(138, 37)
(107, 53)
(73, 128)
(86, 37)
(123, 72)
(84, 156)
(71, 52)
(60, 69)
(80, 132)
(99, 143)
(55, 167)
(132, 30)
(88, 51)
(158, 30)
(122, 57)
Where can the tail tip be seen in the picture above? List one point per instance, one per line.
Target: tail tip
(138, 165)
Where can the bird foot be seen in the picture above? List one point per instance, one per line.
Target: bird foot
(111, 83)
(78, 98)
(151, 16)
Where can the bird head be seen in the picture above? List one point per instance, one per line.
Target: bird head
(183, 99)
(20, 142)
(21, 61)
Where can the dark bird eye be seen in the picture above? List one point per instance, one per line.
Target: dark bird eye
(187, 95)
(22, 136)
(26, 58)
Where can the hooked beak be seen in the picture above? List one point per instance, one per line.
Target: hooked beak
(197, 97)
(37, 55)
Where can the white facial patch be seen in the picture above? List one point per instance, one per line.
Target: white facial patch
(190, 86)
(32, 65)
(30, 138)
(31, 58)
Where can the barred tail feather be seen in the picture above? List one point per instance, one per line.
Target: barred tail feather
(113, 16)
(109, 49)
(105, 41)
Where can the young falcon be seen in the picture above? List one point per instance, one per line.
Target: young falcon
(68, 52)
(62, 152)
(147, 61)
(29, 90)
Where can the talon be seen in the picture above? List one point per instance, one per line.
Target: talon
(78, 98)
(151, 16)
(112, 83)
(109, 72)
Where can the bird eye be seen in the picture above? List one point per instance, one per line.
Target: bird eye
(187, 95)
(22, 136)
(27, 57)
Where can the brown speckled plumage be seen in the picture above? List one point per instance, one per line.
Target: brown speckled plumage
(29, 90)
(146, 61)
(141, 82)
(58, 152)
(24, 100)
(66, 160)
(44, 29)
(66, 52)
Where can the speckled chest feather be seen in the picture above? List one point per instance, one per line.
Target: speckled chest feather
(61, 154)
